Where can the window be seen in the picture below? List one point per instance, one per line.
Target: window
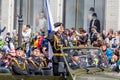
(76, 13)
(32, 10)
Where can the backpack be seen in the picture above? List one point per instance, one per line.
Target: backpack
(44, 43)
(50, 37)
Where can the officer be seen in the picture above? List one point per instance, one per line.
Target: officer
(59, 42)
(36, 62)
(19, 64)
(75, 62)
(94, 58)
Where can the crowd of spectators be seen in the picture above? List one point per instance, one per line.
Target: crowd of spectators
(108, 42)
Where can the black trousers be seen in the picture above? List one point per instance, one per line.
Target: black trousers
(56, 60)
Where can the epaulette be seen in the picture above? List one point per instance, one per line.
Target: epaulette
(11, 62)
(20, 67)
(45, 62)
(30, 59)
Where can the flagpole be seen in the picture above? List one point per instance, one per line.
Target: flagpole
(49, 16)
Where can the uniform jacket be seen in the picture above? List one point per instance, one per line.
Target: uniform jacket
(19, 66)
(35, 65)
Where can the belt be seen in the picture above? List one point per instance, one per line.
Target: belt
(60, 54)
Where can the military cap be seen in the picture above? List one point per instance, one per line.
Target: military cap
(19, 48)
(94, 14)
(33, 48)
(75, 54)
(57, 24)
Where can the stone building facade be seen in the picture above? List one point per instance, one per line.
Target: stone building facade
(73, 13)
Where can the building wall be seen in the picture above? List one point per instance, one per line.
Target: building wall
(119, 16)
(70, 13)
(7, 13)
(87, 5)
(56, 7)
(111, 19)
(112, 15)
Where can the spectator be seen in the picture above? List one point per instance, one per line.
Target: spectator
(100, 43)
(110, 33)
(6, 47)
(2, 30)
(12, 53)
(44, 43)
(1, 42)
(68, 36)
(108, 52)
(91, 11)
(103, 34)
(35, 39)
(93, 34)
(95, 22)
(1, 54)
(83, 38)
(8, 38)
(74, 37)
(114, 59)
(5, 61)
(114, 41)
(26, 33)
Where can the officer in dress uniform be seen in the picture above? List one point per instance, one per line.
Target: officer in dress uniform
(19, 64)
(59, 42)
(36, 62)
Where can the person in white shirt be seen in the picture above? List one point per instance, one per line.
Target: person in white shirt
(26, 33)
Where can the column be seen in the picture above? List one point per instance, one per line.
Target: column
(111, 15)
(119, 16)
(54, 10)
(60, 10)
(11, 15)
